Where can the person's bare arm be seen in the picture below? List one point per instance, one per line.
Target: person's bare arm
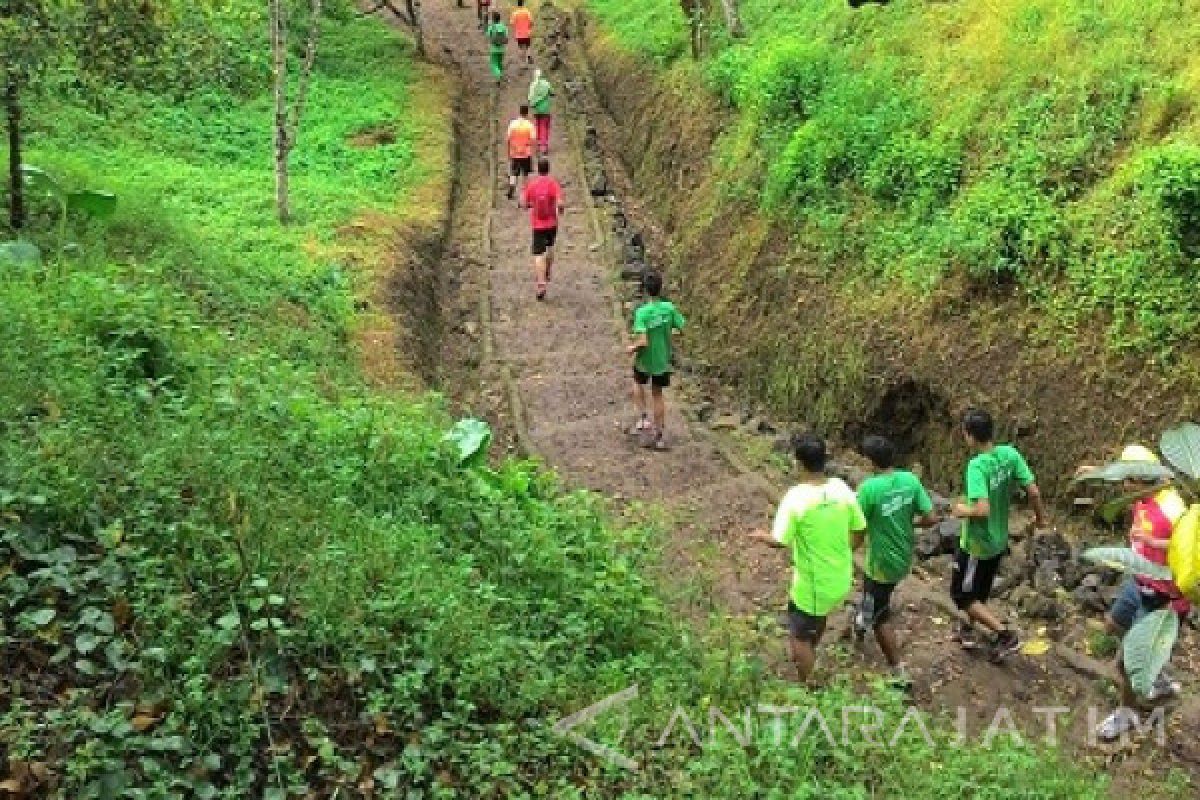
(927, 520)
(980, 509)
(1039, 508)
(638, 343)
(763, 536)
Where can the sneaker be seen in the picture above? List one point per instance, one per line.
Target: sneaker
(511, 190)
(967, 636)
(1006, 644)
(1116, 724)
(541, 294)
(900, 679)
(1163, 689)
(660, 443)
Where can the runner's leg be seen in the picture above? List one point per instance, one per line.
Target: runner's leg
(660, 409)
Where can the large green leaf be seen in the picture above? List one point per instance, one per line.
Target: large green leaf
(38, 180)
(92, 202)
(472, 437)
(1181, 447)
(1127, 560)
(1110, 510)
(19, 253)
(1147, 648)
(1119, 471)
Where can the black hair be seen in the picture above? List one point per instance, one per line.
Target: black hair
(543, 166)
(520, 2)
(524, 109)
(880, 450)
(978, 424)
(810, 451)
(495, 16)
(652, 283)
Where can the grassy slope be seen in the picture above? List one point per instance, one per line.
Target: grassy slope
(215, 537)
(1051, 143)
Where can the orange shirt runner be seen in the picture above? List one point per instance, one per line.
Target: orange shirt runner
(522, 23)
(521, 135)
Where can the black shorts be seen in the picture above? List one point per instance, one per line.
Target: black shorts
(972, 579)
(520, 166)
(544, 240)
(523, 42)
(881, 600)
(804, 626)
(661, 381)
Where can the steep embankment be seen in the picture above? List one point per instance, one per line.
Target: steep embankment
(876, 218)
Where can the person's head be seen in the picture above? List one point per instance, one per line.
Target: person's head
(524, 109)
(543, 166)
(809, 450)
(880, 451)
(520, 3)
(652, 283)
(495, 16)
(978, 427)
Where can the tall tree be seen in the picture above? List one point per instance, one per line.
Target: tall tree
(287, 119)
(29, 39)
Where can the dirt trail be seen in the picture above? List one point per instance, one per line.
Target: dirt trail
(553, 377)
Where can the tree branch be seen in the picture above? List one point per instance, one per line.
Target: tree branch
(306, 70)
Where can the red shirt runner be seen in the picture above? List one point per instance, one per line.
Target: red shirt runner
(543, 195)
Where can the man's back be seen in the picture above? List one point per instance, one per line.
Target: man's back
(656, 319)
(890, 501)
(543, 195)
(815, 521)
(521, 134)
(522, 23)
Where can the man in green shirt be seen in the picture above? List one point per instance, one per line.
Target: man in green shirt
(816, 520)
(497, 37)
(992, 474)
(653, 324)
(891, 501)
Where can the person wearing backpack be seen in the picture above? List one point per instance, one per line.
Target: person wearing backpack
(497, 36)
(540, 93)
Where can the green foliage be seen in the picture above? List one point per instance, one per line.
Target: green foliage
(1147, 648)
(933, 140)
(1126, 560)
(1181, 448)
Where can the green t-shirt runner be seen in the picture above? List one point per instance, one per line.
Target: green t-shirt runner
(890, 501)
(991, 475)
(815, 523)
(656, 318)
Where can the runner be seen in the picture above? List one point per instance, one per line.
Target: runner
(497, 36)
(520, 151)
(653, 324)
(481, 12)
(543, 197)
(816, 520)
(891, 500)
(522, 26)
(1153, 522)
(990, 476)
(540, 93)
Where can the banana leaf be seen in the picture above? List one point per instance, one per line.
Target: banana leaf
(471, 437)
(1181, 448)
(1127, 560)
(1147, 648)
(1118, 471)
(93, 203)
(19, 254)
(1110, 510)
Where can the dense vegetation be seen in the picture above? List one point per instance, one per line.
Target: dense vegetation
(228, 569)
(1048, 145)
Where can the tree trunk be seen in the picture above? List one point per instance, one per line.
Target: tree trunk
(414, 13)
(282, 145)
(733, 20)
(691, 10)
(16, 196)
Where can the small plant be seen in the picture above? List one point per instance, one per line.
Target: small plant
(92, 203)
(1147, 646)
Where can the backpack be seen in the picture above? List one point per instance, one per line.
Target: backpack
(498, 36)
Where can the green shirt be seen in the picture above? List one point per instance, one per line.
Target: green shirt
(492, 30)
(815, 522)
(656, 319)
(539, 97)
(890, 501)
(991, 476)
